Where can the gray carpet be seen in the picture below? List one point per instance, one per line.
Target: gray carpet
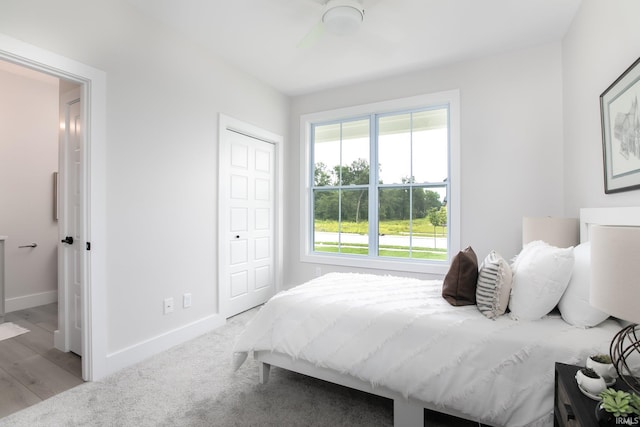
(193, 384)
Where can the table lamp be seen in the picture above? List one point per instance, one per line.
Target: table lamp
(615, 289)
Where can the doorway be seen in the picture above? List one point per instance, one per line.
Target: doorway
(92, 83)
(43, 201)
(32, 369)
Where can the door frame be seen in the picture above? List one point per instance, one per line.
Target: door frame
(93, 112)
(227, 123)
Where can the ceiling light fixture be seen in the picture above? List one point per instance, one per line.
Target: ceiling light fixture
(343, 16)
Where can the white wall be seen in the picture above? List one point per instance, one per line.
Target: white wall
(28, 158)
(603, 41)
(163, 99)
(511, 144)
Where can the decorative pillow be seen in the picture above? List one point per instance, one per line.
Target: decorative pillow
(494, 285)
(459, 286)
(574, 305)
(541, 273)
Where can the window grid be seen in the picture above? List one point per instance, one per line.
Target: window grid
(374, 186)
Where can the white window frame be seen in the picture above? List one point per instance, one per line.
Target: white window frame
(450, 98)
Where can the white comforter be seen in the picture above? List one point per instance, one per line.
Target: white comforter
(400, 333)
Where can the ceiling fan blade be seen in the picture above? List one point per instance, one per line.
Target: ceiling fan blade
(312, 37)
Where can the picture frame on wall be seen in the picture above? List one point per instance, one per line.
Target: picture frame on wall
(620, 117)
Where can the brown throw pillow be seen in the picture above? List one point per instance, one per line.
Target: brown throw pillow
(459, 287)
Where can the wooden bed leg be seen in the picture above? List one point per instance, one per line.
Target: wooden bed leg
(264, 372)
(407, 415)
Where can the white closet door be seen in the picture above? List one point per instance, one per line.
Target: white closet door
(247, 260)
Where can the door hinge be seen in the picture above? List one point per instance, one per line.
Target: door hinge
(88, 246)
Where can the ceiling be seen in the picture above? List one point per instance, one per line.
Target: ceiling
(263, 37)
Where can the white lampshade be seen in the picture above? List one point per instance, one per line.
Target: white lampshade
(343, 16)
(615, 271)
(558, 232)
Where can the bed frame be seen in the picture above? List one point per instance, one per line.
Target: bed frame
(406, 412)
(409, 412)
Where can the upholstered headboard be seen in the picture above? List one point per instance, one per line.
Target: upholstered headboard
(607, 216)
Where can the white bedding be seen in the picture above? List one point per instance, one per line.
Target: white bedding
(400, 333)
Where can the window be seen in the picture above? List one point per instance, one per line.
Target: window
(402, 213)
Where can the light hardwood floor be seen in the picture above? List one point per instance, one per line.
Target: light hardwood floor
(31, 369)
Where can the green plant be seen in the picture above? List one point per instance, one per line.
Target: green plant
(601, 358)
(635, 403)
(620, 403)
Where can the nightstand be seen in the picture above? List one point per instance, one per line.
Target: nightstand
(571, 408)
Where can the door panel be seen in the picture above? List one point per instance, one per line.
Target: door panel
(262, 220)
(239, 284)
(262, 250)
(238, 253)
(239, 219)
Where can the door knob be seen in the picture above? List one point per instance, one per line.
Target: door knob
(68, 240)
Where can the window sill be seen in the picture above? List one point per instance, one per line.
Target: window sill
(436, 268)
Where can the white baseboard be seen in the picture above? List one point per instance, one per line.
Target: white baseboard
(138, 352)
(28, 301)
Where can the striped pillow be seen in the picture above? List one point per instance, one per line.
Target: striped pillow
(494, 285)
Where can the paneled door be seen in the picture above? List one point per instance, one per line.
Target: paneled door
(247, 258)
(72, 249)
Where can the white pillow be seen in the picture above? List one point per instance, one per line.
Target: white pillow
(574, 305)
(541, 273)
(494, 286)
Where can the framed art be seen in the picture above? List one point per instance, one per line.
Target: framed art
(621, 132)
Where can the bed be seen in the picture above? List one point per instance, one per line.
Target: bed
(398, 338)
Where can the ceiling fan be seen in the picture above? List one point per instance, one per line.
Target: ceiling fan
(342, 17)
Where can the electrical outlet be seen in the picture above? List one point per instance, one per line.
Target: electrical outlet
(168, 305)
(318, 272)
(186, 300)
